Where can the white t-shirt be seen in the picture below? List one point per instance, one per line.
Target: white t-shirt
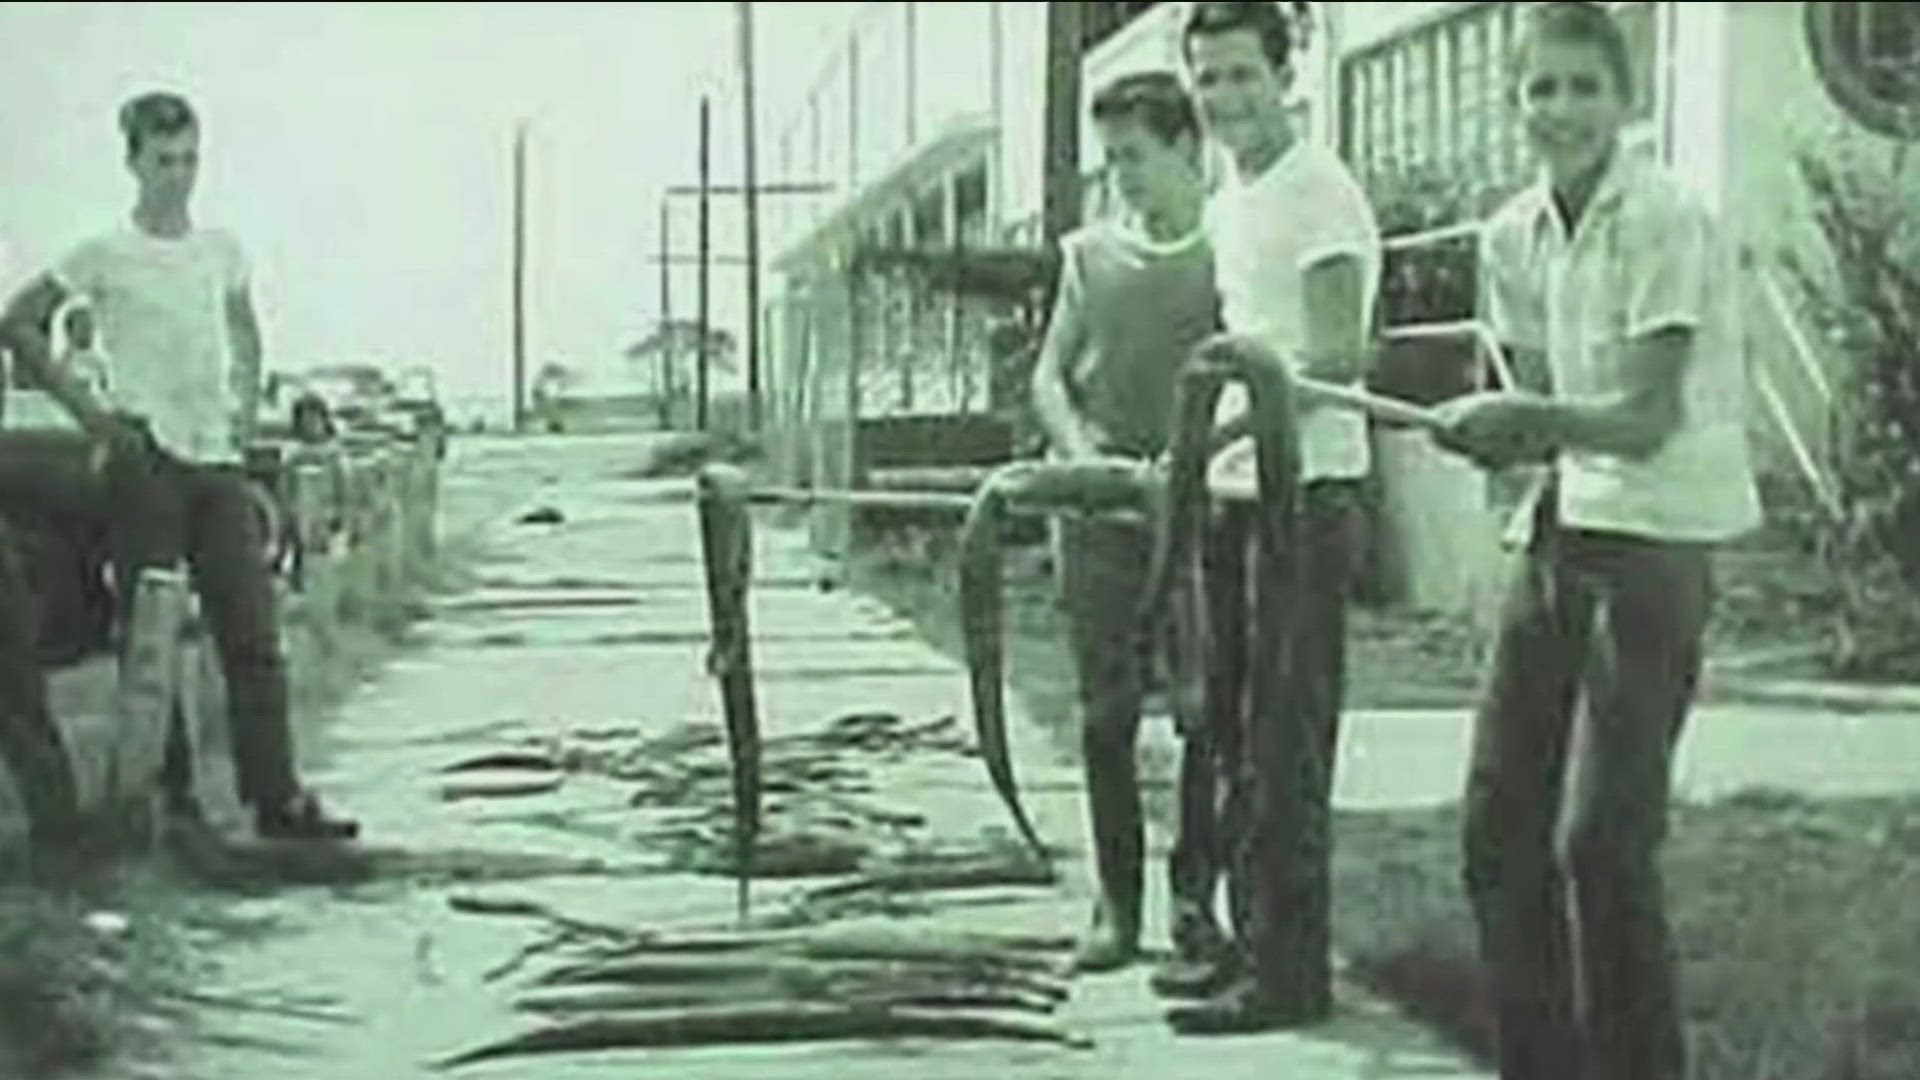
(160, 306)
(1266, 233)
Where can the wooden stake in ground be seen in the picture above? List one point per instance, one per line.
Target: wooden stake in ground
(726, 540)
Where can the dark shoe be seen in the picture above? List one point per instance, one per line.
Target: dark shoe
(302, 818)
(1112, 941)
(1103, 951)
(1188, 976)
(1243, 1009)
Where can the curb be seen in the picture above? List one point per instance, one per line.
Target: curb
(1813, 694)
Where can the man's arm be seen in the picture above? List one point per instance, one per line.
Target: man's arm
(1335, 295)
(243, 329)
(1638, 419)
(1674, 261)
(23, 331)
(1066, 336)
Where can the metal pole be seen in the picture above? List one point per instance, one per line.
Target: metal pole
(911, 34)
(666, 319)
(750, 192)
(706, 131)
(519, 276)
(1060, 168)
(779, 187)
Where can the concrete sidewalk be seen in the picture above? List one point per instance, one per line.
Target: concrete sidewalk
(599, 622)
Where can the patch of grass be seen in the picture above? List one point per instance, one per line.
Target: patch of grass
(82, 964)
(1792, 918)
(54, 1016)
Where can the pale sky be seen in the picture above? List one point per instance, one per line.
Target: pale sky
(362, 154)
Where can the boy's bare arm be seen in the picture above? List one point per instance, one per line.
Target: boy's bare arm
(1638, 419)
(1065, 338)
(1633, 422)
(244, 330)
(23, 331)
(1337, 348)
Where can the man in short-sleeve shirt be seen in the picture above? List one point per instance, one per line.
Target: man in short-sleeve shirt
(1618, 274)
(1297, 262)
(172, 307)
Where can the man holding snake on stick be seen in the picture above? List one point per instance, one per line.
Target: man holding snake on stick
(1297, 262)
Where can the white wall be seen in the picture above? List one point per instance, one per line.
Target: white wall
(1699, 97)
(953, 49)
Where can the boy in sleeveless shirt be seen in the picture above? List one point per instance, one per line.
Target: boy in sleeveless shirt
(1297, 259)
(1133, 302)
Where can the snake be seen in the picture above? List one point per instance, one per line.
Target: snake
(726, 539)
(1171, 497)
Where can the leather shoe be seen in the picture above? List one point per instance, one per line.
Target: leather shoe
(1193, 976)
(1243, 1009)
(1104, 950)
(302, 818)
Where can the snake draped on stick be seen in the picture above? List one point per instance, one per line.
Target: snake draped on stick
(1174, 503)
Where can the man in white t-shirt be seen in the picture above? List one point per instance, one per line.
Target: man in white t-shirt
(1297, 262)
(171, 303)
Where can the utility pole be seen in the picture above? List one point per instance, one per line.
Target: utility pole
(520, 276)
(750, 193)
(666, 319)
(1060, 170)
(706, 131)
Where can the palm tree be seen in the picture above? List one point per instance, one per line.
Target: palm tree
(676, 342)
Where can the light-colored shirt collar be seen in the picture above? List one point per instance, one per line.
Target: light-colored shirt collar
(1543, 214)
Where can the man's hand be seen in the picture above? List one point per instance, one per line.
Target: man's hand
(1233, 348)
(1497, 430)
(125, 436)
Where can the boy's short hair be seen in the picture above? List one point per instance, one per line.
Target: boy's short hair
(155, 114)
(1266, 19)
(1153, 99)
(1575, 22)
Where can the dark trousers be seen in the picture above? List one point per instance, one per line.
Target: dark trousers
(30, 742)
(158, 512)
(1566, 807)
(1102, 564)
(1278, 835)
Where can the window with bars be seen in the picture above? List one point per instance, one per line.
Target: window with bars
(1438, 99)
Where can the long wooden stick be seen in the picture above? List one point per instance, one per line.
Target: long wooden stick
(1378, 406)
